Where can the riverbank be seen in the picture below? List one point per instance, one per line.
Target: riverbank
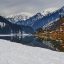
(54, 36)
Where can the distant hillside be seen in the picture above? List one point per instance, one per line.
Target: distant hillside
(6, 26)
(55, 25)
(52, 17)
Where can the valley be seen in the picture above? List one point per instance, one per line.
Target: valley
(44, 31)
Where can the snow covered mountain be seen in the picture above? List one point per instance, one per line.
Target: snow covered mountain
(18, 17)
(49, 10)
(15, 53)
(31, 20)
(39, 20)
(51, 17)
(29, 17)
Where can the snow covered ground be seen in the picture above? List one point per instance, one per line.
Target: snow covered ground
(15, 53)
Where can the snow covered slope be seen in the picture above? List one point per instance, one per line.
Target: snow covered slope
(15, 53)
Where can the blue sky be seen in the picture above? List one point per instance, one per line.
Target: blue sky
(8, 7)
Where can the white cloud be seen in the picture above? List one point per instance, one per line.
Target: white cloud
(8, 7)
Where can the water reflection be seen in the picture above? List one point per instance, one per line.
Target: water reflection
(29, 39)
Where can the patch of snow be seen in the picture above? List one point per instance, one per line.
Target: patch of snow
(15, 53)
(49, 10)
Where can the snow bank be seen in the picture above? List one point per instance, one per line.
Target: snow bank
(15, 53)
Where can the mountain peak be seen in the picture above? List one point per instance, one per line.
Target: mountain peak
(39, 14)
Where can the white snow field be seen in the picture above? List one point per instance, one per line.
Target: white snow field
(15, 53)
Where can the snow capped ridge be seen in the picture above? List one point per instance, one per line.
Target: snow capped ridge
(19, 17)
(21, 14)
(55, 22)
(49, 10)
